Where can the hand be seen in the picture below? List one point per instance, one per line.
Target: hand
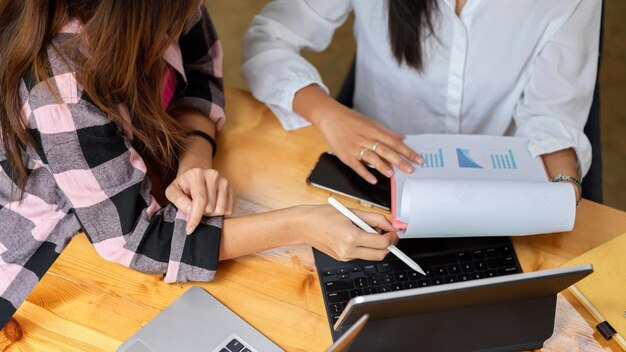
(332, 233)
(352, 136)
(200, 192)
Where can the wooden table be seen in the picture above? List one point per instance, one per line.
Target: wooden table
(87, 304)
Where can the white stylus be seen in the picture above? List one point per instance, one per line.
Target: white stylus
(367, 228)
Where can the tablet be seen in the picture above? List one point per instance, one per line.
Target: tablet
(504, 313)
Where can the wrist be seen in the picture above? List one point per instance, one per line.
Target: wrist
(197, 154)
(577, 193)
(191, 160)
(314, 104)
(575, 182)
(295, 223)
(205, 138)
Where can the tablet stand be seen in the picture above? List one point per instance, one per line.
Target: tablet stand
(510, 326)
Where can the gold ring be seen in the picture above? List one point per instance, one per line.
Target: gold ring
(363, 153)
(374, 147)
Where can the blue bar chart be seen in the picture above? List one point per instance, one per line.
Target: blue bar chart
(503, 160)
(432, 158)
(490, 159)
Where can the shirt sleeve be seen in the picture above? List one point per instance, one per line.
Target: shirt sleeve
(202, 56)
(557, 98)
(271, 59)
(103, 178)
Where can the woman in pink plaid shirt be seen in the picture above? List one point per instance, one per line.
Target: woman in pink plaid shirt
(95, 94)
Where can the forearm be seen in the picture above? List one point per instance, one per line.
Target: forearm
(198, 151)
(245, 235)
(313, 104)
(562, 162)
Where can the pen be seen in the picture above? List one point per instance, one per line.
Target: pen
(604, 328)
(367, 228)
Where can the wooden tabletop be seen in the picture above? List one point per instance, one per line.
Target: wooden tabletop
(87, 304)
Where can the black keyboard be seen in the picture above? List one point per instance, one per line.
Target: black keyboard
(235, 346)
(340, 284)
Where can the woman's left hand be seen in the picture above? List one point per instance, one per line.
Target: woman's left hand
(200, 192)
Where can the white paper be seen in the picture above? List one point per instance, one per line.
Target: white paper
(479, 186)
(457, 208)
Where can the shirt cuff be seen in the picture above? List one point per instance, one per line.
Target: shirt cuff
(195, 257)
(289, 119)
(538, 147)
(548, 134)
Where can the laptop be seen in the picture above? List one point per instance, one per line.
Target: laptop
(197, 321)
(445, 261)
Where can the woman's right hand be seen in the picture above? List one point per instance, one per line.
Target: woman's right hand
(200, 192)
(354, 137)
(334, 234)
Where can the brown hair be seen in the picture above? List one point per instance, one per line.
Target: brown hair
(124, 63)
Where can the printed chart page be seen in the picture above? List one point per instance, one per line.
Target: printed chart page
(474, 185)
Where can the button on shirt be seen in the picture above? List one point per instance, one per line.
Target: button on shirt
(501, 67)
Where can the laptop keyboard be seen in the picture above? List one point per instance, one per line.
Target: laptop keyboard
(234, 344)
(340, 284)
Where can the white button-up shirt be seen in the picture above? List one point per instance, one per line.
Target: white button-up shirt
(503, 67)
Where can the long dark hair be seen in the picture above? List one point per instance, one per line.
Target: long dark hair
(410, 21)
(126, 39)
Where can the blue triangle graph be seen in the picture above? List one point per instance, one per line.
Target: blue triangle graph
(465, 160)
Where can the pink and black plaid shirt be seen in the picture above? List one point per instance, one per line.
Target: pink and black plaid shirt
(84, 175)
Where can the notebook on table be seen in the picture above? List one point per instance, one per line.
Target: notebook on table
(603, 293)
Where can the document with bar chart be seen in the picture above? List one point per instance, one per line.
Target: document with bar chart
(476, 185)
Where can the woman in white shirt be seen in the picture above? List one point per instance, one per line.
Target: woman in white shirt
(497, 67)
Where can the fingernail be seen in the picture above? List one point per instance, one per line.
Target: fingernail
(408, 169)
(388, 172)
(189, 230)
(372, 180)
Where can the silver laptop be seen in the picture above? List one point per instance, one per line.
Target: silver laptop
(197, 321)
